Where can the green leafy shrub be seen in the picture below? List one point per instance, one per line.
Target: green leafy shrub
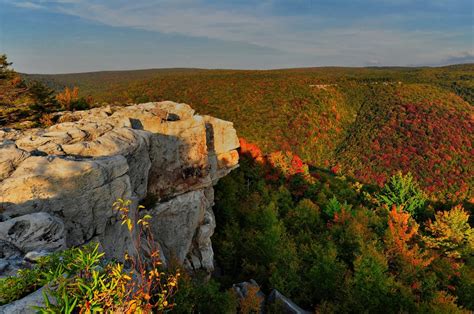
(465, 287)
(81, 279)
(375, 287)
(334, 207)
(47, 268)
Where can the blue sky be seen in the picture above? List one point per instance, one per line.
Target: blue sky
(60, 36)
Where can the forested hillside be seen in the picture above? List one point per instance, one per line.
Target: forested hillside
(367, 122)
(335, 245)
(354, 191)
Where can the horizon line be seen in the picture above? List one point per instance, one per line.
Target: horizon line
(269, 69)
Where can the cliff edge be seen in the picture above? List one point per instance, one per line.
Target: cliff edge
(58, 185)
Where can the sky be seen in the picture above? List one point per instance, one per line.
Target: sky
(63, 36)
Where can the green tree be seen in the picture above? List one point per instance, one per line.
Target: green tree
(402, 191)
(40, 93)
(374, 288)
(5, 71)
(11, 84)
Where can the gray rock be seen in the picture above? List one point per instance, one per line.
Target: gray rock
(3, 265)
(242, 291)
(284, 304)
(11, 266)
(177, 224)
(10, 158)
(33, 231)
(8, 250)
(34, 256)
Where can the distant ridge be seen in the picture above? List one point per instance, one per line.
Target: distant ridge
(180, 69)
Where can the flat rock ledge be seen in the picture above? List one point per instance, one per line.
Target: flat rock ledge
(58, 185)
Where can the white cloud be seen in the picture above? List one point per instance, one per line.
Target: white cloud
(298, 36)
(461, 57)
(28, 5)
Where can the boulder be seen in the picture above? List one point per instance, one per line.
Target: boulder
(245, 290)
(35, 256)
(25, 305)
(29, 232)
(70, 174)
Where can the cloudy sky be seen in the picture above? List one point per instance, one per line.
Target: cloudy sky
(59, 36)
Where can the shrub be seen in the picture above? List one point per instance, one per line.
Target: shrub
(67, 97)
(326, 275)
(40, 93)
(93, 285)
(251, 303)
(334, 207)
(465, 288)
(443, 302)
(28, 280)
(304, 218)
(374, 288)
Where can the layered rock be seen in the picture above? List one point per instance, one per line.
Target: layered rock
(71, 173)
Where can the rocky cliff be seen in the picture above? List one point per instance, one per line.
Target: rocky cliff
(57, 185)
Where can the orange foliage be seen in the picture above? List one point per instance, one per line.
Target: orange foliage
(68, 96)
(343, 216)
(251, 302)
(401, 231)
(252, 150)
(16, 80)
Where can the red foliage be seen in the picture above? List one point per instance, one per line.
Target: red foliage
(297, 164)
(279, 165)
(335, 169)
(433, 141)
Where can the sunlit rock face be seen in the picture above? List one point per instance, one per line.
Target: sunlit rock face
(74, 171)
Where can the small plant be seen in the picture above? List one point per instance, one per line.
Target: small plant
(47, 269)
(67, 97)
(152, 288)
(91, 284)
(402, 191)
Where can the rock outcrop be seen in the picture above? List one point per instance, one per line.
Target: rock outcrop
(57, 185)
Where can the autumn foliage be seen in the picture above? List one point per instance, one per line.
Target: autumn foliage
(365, 123)
(450, 233)
(417, 129)
(400, 240)
(337, 245)
(67, 97)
